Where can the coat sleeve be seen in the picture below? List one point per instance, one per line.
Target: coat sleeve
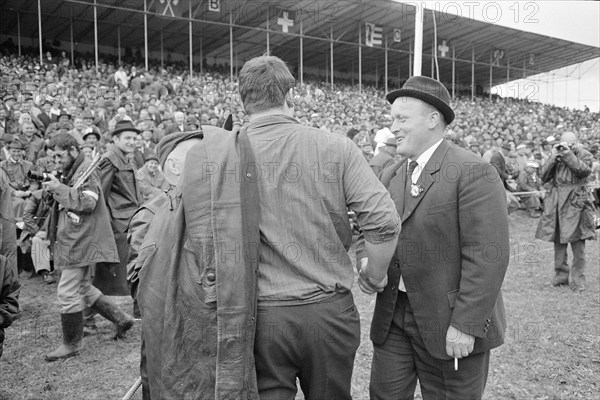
(31, 205)
(580, 165)
(548, 170)
(9, 294)
(484, 240)
(107, 173)
(138, 227)
(83, 199)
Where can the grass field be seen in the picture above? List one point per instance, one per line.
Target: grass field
(552, 349)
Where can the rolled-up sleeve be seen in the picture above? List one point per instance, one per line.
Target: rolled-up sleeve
(368, 198)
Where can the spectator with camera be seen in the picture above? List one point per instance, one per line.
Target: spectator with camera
(568, 212)
(84, 237)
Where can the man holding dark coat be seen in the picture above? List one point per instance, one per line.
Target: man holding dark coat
(441, 310)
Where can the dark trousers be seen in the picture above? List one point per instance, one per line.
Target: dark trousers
(315, 343)
(403, 358)
(561, 265)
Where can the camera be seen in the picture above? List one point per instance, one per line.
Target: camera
(39, 176)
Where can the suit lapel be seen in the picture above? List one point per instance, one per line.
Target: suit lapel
(426, 179)
(396, 187)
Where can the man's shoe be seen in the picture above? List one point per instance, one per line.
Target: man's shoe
(560, 281)
(48, 278)
(578, 289)
(72, 330)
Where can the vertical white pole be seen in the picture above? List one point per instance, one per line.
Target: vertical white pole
(331, 55)
(146, 36)
(453, 72)
(410, 57)
(96, 36)
(472, 73)
(418, 41)
(301, 54)
(491, 72)
(231, 45)
(19, 32)
(385, 85)
(191, 43)
(268, 44)
(40, 29)
(360, 57)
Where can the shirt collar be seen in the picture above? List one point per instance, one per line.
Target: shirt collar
(424, 157)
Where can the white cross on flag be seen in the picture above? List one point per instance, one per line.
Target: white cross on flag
(286, 19)
(168, 8)
(443, 49)
(373, 34)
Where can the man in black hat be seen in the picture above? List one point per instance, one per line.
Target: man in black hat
(440, 311)
(121, 194)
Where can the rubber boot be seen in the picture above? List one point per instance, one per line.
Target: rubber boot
(72, 330)
(114, 314)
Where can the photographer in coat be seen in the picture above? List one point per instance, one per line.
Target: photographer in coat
(568, 212)
(83, 238)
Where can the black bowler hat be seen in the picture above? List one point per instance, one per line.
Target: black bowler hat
(428, 90)
(123, 126)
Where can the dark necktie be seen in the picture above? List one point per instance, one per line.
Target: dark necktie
(411, 168)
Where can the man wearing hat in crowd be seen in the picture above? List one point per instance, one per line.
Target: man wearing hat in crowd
(440, 310)
(121, 194)
(17, 168)
(529, 181)
(385, 157)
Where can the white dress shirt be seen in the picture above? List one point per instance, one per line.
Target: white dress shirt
(421, 161)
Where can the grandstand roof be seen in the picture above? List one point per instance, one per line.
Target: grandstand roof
(527, 53)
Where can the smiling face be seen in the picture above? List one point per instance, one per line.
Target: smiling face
(415, 126)
(125, 141)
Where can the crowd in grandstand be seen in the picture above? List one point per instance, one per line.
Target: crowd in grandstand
(39, 101)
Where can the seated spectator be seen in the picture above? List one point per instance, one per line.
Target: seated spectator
(529, 181)
(17, 169)
(150, 180)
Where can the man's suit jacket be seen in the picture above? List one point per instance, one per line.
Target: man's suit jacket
(452, 252)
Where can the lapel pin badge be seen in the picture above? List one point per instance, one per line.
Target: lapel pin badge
(415, 190)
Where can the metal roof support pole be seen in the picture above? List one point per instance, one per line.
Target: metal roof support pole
(432, 62)
(472, 73)
(453, 71)
(145, 35)
(71, 29)
(19, 31)
(40, 28)
(96, 34)
(359, 57)
(385, 73)
(268, 16)
(579, 88)
(418, 41)
(331, 56)
(301, 54)
(162, 51)
(507, 70)
(231, 45)
(491, 73)
(410, 55)
(119, 37)
(191, 43)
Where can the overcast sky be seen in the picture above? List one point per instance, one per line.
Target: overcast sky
(577, 21)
